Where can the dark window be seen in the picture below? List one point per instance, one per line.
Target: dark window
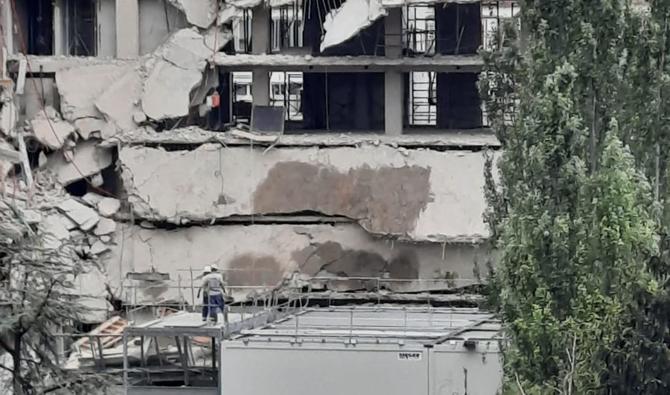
(81, 27)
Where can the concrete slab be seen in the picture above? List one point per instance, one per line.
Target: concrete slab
(257, 257)
(85, 217)
(419, 195)
(87, 159)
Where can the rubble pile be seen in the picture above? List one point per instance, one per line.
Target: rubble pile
(65, 220)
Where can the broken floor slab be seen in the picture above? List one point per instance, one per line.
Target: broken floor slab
(120, 101)
(345, 22)
(86, 159)
(108, 206)
(51, 131)
(85, 217)
(105, 226)
(194, 136)
(86, 127)
(265, 255)
(175, 71)
(78, 98)
(201, 13)
(421, 195)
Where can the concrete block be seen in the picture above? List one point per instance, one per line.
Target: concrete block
(87, 160)
(105, 226)
(77, 98)
(108, 206)
(52, 133)
(201, 13)
(85, 217)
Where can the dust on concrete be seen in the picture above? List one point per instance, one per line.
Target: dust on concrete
(334, 259)
(248, 269)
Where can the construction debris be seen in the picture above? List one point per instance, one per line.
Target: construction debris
(50, 130)
(8, 117)
(175, 72)
(201, 13)
(108, 206)
(77, 99)
(347, 21)
(85, 217)
(86, 159)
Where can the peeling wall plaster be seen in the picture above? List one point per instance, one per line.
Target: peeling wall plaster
(420, 195)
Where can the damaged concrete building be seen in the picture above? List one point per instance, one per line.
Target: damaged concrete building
(283, 140)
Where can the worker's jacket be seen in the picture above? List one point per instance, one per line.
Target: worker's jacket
(213, 284)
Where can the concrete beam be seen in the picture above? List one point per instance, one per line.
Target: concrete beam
(354, 64)
(471, 139)
(127, 29)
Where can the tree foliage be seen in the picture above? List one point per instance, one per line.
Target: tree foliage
(36, 299)
(582, 278)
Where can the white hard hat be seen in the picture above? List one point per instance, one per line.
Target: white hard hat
(214, 267)
(207, 269)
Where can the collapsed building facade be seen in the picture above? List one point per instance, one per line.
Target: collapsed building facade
(282, 140)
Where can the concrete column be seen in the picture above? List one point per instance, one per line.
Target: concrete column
(393, 33)
(59, 28)
(127, 29)
(8, 25)
(394, 94)
(260, 44)
(106, 28)
(260, 87)
(394, 90)
(260, 30)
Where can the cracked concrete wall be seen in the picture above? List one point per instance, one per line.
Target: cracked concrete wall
(158, 19)
(419, 195)
(264, 255)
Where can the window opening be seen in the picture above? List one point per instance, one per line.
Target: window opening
(242, 100)
(287, 26)
(286, 91)
(39, 31)
(419, 29)
(81, 25)
(242, 32)
(422, 104)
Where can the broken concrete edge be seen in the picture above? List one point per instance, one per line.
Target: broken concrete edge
(45, 64)
(348, 20)
(245, 4)
(192, 137)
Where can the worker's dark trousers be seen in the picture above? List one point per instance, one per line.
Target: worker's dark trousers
(216, 303)
(205, 306)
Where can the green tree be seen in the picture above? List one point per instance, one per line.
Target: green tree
(36, 299)
(571, 215)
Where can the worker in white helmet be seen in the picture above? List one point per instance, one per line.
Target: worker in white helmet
(205, 297)
(214, 287)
